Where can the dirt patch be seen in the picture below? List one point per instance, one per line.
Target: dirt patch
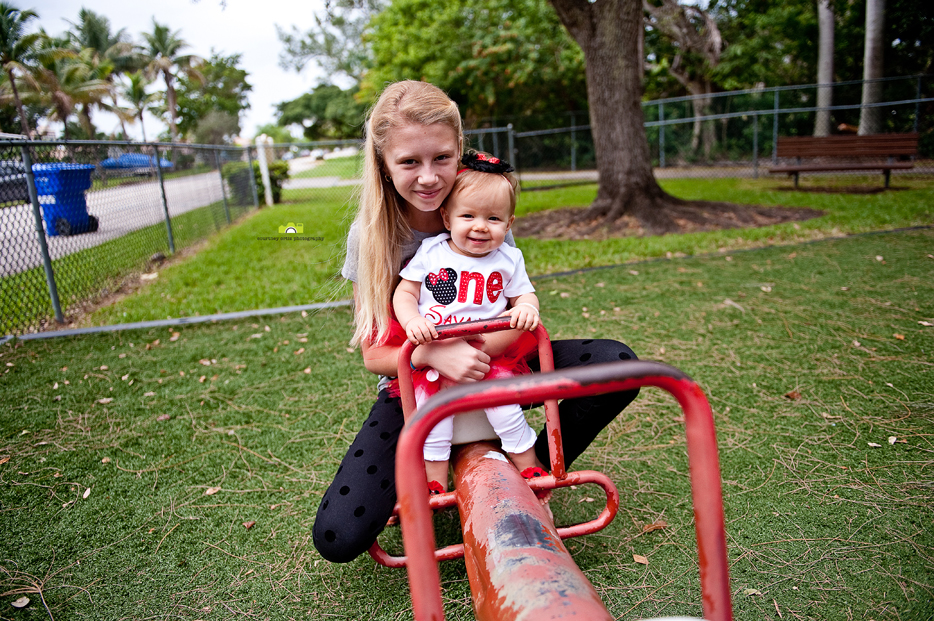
(567, 223)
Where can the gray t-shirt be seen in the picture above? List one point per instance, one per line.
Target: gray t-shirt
(409, 248)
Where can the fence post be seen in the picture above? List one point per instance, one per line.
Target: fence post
(495, 140)
(755, 146)
(40, 232)
(511, 146)
(217, 162)
(661, 135)
(249, 158)
(261, 145)
(573, 143)
(918, 104)
(165, 203)
(775, 131)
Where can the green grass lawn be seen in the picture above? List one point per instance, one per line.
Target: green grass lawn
(24, 297)
(225, 276)
(349, 167)
(131, 462)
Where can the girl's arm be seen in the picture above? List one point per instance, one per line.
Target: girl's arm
(418, 329)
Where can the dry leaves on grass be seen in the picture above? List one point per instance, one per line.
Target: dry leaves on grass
(659, 525)
(211, 491)
(640, 559)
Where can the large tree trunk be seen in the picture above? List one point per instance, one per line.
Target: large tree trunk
(825, 24)
(610, 35)
(870, 119)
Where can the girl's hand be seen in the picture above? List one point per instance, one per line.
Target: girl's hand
(455, 359)
(420, 331)
(523, 316)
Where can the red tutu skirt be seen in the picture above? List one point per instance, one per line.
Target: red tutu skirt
(510, 363)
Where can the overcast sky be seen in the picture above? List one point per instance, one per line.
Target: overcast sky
(244, 26)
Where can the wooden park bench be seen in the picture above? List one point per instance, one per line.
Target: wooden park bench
(846, 153)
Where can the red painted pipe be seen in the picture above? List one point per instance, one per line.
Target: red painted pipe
(706, 489)
(516, 563)
(546, 363)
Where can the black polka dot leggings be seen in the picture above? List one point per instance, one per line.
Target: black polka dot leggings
(359, 501)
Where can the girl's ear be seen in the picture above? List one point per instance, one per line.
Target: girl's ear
(512, 219)
(444, 218)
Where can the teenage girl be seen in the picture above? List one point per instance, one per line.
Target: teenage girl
(413, 146)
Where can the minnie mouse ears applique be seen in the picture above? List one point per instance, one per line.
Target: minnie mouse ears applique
(486, 163)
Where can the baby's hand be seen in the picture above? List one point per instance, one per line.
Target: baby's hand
(524, 317)
(420, 331)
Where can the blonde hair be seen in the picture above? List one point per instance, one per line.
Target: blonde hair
(381, 223)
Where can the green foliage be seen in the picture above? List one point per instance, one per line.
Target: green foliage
(17, 51)
(768, 41)
(222, 87)
(216, 127)
(278, 174)
(334, 42)
(237, 175)
(326, 112)
(495, 58)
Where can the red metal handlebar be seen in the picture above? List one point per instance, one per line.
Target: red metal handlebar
(706, 489)
(546, 363)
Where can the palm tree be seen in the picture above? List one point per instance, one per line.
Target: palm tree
(64, 80)
(162, 48)
(115, 50)
(17, 50)
(140, 100)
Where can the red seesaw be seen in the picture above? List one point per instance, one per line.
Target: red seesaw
(517, 565)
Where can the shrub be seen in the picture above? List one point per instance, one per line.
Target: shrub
(236, 175)
(278, 174)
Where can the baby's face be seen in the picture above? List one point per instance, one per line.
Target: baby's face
(478, 223)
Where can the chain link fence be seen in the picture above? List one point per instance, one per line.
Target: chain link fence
(77, 219)
(735, 134)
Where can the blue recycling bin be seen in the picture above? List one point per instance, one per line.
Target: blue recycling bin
(61, 190)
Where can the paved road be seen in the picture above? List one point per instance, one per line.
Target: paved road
(120, 210)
